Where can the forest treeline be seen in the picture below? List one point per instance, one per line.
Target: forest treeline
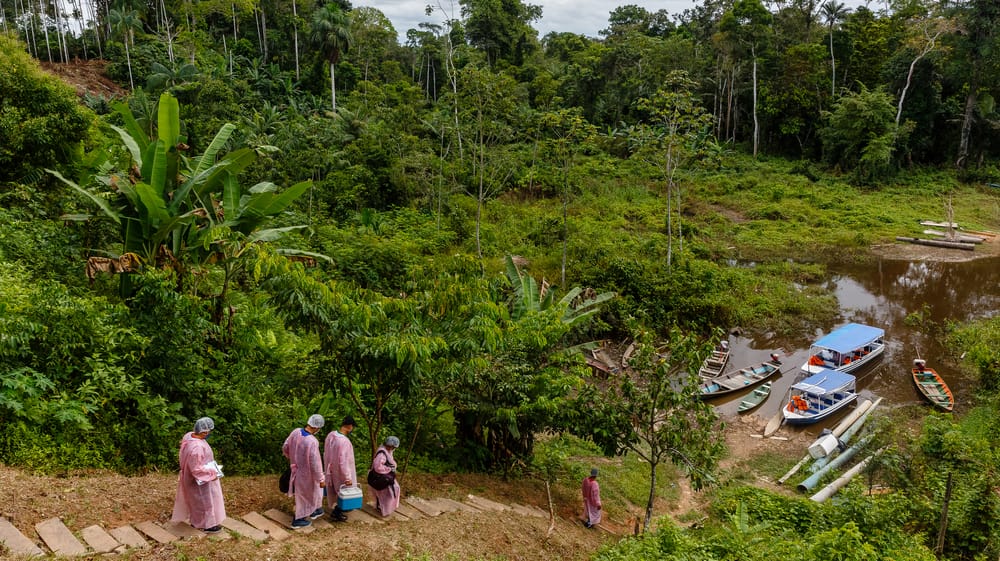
(291, 211)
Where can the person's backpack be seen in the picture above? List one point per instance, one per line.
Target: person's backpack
(283, 481)
(380, 481)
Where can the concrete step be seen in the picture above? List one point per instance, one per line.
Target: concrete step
(529, 510)
(156, 532)
(285, 520)
(244, 529)
(410, 512)
(129, 536)
(60, 540)
(16, 542)
(182, 530)
(363, 517)
(442, 505)
(464, 507)
(263, 524)
(485, 504)
(369, 509)
(423, 505)
(98, 539)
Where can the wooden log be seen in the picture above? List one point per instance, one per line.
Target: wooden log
(938, 243)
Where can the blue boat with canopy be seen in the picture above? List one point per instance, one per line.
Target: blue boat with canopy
(845, 349)
(819, 396)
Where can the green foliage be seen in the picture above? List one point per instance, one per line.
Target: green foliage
(40, 122)
(979, 342)
(861, 135)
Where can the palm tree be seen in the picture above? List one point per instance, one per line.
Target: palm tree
(125, 23)
(833, 12)
(331, 35)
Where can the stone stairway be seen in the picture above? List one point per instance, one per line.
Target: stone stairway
(57, 539)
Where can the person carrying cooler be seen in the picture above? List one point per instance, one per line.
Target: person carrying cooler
(338, 461)
(307, 480)
(199, 493)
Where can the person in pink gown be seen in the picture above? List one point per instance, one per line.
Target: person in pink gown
(591, 500)
(386, 500)
(338, 461)
(307, 479)
(199, 493)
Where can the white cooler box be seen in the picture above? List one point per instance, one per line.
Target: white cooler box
(349, 498)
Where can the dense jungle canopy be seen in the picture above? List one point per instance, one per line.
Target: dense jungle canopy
(296, 208)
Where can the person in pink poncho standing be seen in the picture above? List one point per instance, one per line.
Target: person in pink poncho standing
(591, 500)
(386, 500)
(338, 461)
(199, 493)
(307, 480)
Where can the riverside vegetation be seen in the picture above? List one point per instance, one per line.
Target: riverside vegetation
(268, 255)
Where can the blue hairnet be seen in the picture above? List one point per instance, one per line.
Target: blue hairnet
(316, 421)
(392, 441)
(204, 424)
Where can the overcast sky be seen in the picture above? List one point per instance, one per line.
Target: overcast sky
(576, 16)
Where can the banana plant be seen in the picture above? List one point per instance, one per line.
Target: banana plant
(177, 211)
(529, 298)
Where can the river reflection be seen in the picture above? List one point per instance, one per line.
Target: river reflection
(883, 294)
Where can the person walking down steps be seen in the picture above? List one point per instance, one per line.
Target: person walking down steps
(382, 477)
(591, 500)
(338, 459)
(307, 479)
(199, 492)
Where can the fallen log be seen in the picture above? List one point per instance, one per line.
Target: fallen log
(938, 243)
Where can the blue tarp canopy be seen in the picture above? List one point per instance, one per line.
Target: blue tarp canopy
(826, 381)
(850, 337)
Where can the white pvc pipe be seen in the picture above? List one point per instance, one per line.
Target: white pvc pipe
(828, 491)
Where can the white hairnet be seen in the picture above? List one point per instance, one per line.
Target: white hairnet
(392, 441)
(316, 421)
(204, 424)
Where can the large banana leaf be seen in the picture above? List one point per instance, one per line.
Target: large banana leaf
(99, 201)
(272, 234)
(154, 206)
(158, 173)
(264, 203)
(131, 144)
(210, 180)
(135, 133)
(208, 158)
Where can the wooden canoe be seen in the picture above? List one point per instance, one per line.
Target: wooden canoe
(932, 386)
(740, 379)
(755, 398)
(716, 362)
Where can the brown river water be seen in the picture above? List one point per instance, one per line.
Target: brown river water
(883, 294)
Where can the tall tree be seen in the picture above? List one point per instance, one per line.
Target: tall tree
(748, 22)
(331, 36)
(501, 28)
(125, 23)
(978, 48)
(833, 13)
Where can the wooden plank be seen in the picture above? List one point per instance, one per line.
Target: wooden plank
(410, 512)
(370, 511)
(285, 519)
(465, 507)
(182, 530)
(442, 505)
(937, 243)
(244, 529)
(258, 521)
(423, 506)
(16, 542)
(60, 540)
(486, 504)
(129, 536)
(99, 540)
(362, 517)
(156, 532)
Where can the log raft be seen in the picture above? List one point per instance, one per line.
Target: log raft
(938, 243)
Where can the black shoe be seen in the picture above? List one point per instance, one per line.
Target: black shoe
(213, 530)
(587, 525)
(317, 513)
(301, 523)
(338, 517)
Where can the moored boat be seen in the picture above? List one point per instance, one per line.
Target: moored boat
(756, 397)
(716, 362)
(932, 386)
(845, 349)
(740, 379)
(819, 396)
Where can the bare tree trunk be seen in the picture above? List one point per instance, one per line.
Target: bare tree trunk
(295, 28)
(41, 18)
(943, 524)
(652, 496)
(970, 108)
(333, 87)
(833, 68)
(756, 124)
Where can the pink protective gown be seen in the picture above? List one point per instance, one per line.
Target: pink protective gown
(338, 461)
(302, 451)
(201, 505)
(592, 500)
(387, 499)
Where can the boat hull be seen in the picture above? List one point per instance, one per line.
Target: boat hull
(934, 389)
(809, 416)
(756, 398)
(845, 349)
(739, 380)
